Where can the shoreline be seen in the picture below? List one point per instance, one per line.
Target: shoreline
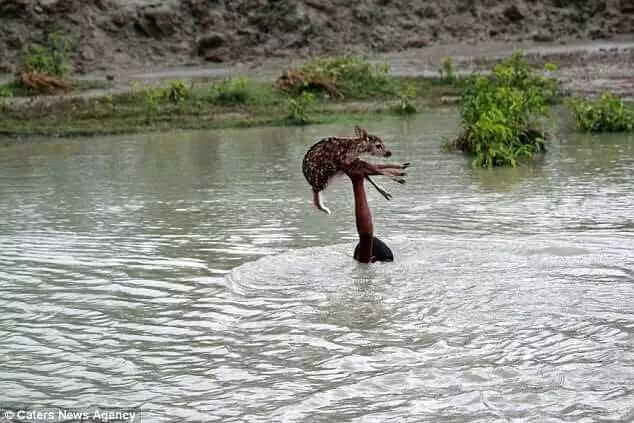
(128, 112)
(585, 69)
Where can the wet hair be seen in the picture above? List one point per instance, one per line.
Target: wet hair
(380, 251)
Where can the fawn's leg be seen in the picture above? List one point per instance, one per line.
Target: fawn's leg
(393, 171)
(384, 193)
(360, 167)
(393, 166)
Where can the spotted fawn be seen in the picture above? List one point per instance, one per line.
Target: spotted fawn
(335, 155)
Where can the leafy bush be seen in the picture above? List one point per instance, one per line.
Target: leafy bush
(231, 91)
(151, 99)
(406, 97)
(176, 92)
(608, 114)
(5, 95)
(500, 113)
(50, 58)
(447, 71)
(344, 76)
(299, 108)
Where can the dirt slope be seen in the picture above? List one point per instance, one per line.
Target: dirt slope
(108, 34)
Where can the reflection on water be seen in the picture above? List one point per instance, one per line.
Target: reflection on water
(187, 274)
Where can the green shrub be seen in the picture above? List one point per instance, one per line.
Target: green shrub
(5, 91)
(232, 91)
(95, 108)
(5, 94)
(406, 97)
(51, 57)
(341, 76)
(608, 114)
(447, 71)
(300, 108)
(110, 104)
(101, 107)
(518, 73)
(176, 92)
(151, 97)
(500, 113)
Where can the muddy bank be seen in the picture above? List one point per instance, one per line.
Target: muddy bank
(586, 68)
(115, 34)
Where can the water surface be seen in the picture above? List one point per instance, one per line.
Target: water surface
(187, 274)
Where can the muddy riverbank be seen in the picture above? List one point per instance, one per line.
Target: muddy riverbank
(585, 69)
(110, 35)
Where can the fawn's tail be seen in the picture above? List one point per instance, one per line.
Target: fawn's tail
(317, 202)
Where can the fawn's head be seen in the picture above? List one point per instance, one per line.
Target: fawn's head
(371, 143)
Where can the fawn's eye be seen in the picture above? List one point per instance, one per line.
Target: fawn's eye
(379, 145)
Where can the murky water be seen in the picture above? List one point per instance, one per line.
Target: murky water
(186, 274)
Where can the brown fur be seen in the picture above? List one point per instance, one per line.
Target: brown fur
(333, 155)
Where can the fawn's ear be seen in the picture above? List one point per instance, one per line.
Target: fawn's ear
(360, 132)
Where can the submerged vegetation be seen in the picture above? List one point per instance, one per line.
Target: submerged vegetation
(608, 114)
(406, 99)
(500, 113)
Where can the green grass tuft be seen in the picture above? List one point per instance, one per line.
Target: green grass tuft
(348, 77)
(232, 91)
(300, 108)
(608, 114)
(447, 71)
(406, 99)
(50, 58)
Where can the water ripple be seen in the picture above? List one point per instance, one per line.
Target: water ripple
(187, 275)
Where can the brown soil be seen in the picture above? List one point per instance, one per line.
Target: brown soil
(119, 34)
